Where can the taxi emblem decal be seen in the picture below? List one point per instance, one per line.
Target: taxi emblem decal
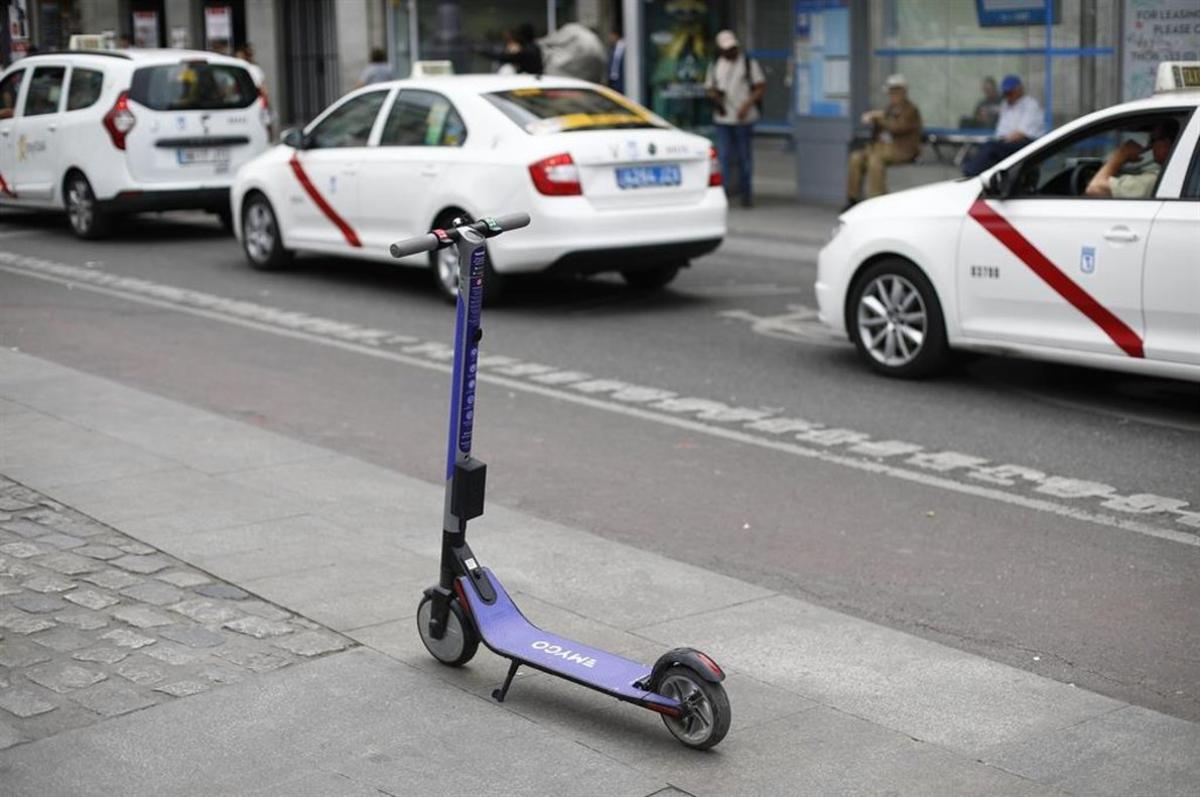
(1087, 260)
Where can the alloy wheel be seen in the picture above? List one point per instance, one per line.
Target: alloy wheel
(892, 320)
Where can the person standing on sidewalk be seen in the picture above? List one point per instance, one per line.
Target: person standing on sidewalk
(377, 71)
(895, 138)
(735, 85)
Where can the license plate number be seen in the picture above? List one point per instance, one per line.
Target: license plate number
(648, 176)
(188, 155)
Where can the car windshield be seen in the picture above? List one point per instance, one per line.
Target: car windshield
(539, 111)
(193, 86)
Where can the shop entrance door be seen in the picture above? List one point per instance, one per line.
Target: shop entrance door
(310, 52)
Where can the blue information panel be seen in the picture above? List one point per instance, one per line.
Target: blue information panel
(821, 48)
(1003, 13)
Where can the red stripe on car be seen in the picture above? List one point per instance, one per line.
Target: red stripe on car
(1031, 256)
(5, 189)
(326, 208)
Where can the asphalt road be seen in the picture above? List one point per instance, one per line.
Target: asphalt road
(1077, 562)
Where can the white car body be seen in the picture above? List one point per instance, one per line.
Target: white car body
(1110, 283)
(386, 193)
(161, 160)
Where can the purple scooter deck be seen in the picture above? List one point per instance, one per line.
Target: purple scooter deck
(506, 632)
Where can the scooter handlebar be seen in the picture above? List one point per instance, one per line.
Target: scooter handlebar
(487, 227)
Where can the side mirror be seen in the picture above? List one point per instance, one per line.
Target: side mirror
(294, 138)
(997, 184)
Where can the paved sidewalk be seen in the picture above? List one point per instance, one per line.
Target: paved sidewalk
(313, 562)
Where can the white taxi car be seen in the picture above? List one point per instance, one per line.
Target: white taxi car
(1084, 248)
(105, 132)
(609, 185)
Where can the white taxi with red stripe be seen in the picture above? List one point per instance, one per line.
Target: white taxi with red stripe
(108, 132)
(1084, 248)
(609, 185)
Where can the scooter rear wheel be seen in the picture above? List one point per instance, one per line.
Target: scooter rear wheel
(708, 715)
(458, 645)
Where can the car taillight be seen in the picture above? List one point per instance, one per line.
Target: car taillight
(556, 176)
(119, 120)
(714, 169)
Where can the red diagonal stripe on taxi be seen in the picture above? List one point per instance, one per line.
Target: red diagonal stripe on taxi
(1031, 256)
(5, 189)
(326, 208)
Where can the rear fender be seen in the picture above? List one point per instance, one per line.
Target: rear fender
(691, 658)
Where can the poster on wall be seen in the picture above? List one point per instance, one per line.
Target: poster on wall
(821, 53)
(1155, 31)
(145, 28)
(218, 28)
(679, 49)
(18, 27)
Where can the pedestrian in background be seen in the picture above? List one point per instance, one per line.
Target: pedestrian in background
(735, 85)
(1021, 121)
(895, 138)
(525, 56)
(987, 110)
(616, 61)
(378, 70)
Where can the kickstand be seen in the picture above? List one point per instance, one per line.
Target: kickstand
(500, 693)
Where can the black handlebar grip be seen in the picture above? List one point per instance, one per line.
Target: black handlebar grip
(512, 221)
(412, 246)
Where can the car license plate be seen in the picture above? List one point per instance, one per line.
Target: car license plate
(187, 155)
(648, 176)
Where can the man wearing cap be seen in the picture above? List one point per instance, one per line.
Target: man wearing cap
(895, 138)
(1021, 121)
(1109, 182)
(735, 86)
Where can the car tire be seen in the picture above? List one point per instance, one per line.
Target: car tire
(651, 279)
(261, 241)
(86, 218)
(895, 320)
(443, 265)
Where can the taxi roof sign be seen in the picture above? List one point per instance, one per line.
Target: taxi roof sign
(1177, 76)
(431, 68)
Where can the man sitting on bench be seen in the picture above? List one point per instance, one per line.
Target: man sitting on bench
(895, 138)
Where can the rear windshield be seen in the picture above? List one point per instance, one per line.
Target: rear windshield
(555, 110)
(193, 86)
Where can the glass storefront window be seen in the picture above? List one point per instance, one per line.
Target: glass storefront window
(458, 30)
(679, 48)
(946, 53)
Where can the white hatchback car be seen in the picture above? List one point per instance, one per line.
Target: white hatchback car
(100, 133)
(1070, 250)
(609, 185)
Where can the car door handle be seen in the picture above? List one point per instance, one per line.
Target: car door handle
(52, 127)
(1121, 234)
(5, 132)
(349, 172)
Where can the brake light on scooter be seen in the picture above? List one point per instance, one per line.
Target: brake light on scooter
(556, 176)
(119, 120)
(714, 169)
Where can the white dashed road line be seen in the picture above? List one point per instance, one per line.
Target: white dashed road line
(1080, 499)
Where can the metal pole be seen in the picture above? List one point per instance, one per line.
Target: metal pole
(632, 11)
(1048, 5)
(414, 33)
(551, 16)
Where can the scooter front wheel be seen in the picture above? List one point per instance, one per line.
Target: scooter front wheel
(707, 714)
(458, 645)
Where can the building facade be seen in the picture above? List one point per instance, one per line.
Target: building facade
(825, 60)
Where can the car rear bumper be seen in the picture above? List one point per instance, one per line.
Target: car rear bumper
(137, 201)
(631, 258)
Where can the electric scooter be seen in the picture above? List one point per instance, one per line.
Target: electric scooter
(469, 604)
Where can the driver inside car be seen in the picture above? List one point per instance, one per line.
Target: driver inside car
(1108, 182)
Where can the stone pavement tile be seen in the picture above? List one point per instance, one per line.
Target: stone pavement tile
(112, 579)
(9, 736)
(133, 546)
(381, 724)
(9, 586)
(125, 638)
(173, 653)
(260, 608)
(141, 616)
(311, 643)
(182, 688)
(47, 582)
(254, 660)
(63, 677)
(16, 653)
(192, 636)
(23, 623)
(24, 702)
(154, 592)
(258, 628)
(62, 639)
(298, 530)
(82, 619)
(35, 603)
(26, 528)
(292, 557)
(14, 568)
(112, 699)
(61, 541)
(223, 591)
(920, 688)
(98, 551)
(1129, 751)
(144, 564)
(183, 578)
(206, 611)
(91, 599)
(22, 550)
(106, 654)
(69, 564)
(356, 609)
(142, 671)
